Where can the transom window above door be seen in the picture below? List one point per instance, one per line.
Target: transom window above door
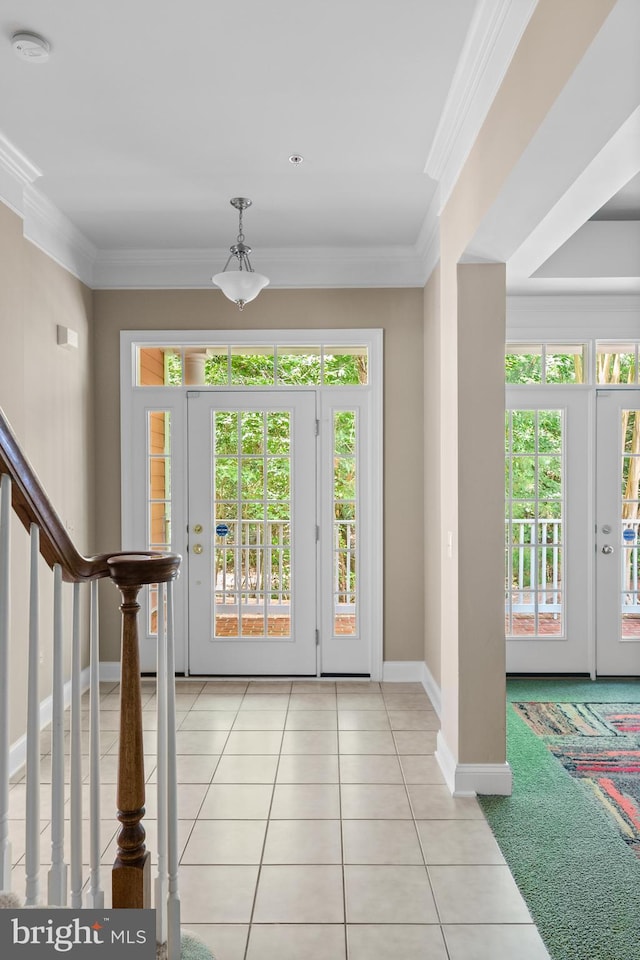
(613, 363)
(252, 365)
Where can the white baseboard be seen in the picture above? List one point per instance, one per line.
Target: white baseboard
(469, 779)
(432, 689)
(413, 671)
(18, 750)
(402, 671)
(110, 670)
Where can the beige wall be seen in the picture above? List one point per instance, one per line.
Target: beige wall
(432, 558)
(481, 332)
(46, 393)
(472, 665)
(398, 312)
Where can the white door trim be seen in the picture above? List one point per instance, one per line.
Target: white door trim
(135, 400)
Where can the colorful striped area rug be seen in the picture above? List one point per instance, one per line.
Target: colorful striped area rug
(598, 743)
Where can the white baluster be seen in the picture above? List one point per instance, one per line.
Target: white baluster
(5, 543)
(542, 540)
(161, 772)
(32, 813)
(509, 579)
(521, 563)
(95, 896)
(57, 887)
(76, 757)
(556, 566)
(173, 903)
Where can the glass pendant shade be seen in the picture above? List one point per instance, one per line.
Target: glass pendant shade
(241, 286)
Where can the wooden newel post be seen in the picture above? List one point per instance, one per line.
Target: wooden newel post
(131, 874)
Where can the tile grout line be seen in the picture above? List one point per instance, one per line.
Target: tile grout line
(342, 865)
(419, 838)
(266, 830)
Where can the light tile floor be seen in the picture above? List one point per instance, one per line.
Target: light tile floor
(316, 825)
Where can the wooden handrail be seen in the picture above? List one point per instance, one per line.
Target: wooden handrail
(32, 505)
(129, 572)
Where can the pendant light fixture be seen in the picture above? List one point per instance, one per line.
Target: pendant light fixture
(243, 284)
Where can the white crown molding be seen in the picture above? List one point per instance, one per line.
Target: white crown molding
(583, 315)
(42, 223)
(311, 267)
(428, 242)
(16, 173)
(53, 233)
(493, 36)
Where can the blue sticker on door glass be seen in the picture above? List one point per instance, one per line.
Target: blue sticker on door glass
(222, 530)
(628, 535)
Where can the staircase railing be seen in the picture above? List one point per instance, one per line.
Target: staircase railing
(22, 494)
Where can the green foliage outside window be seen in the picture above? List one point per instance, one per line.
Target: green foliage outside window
(304, 367)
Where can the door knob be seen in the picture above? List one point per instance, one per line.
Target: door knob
(607, 549)
(197, 548)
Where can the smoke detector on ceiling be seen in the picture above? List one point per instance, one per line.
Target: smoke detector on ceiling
(29, 46)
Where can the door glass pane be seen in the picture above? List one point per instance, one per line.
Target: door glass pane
(565, 363)
(216, 368)
(252, 523)
(158, 367)
(345, 365)
(298, 365)
(345, 540)
(523, 363)
(158, 498)
(546, 363)
(630, 524)
(534, 497)
(616, 362)
(252, 365)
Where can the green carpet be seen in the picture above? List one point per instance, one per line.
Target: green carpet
(579, 879)
(192, 948)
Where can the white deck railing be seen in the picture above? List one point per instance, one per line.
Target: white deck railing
(536, 546)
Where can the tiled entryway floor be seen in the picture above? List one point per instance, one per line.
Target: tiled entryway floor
(316, 825)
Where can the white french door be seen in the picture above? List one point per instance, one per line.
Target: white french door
(617, 533)
(547, 531)
(270, 488)
(252, 522)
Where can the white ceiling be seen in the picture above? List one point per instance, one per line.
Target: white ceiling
(624, 205)
(150, 115)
